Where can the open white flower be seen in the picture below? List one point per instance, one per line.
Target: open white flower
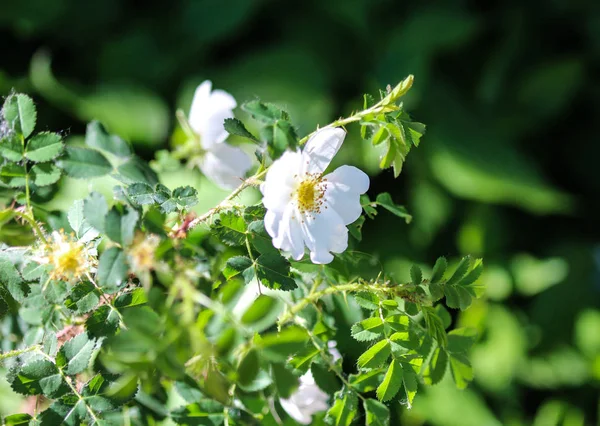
(305, 208)
(224, 164)
(308, 398)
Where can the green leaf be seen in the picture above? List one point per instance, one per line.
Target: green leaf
(131, 298)
(254, 213)
(104, 321)
(13, 175)
(285, 381)
(439, 269)
(264, 307)
(367, 381)
(377, 414)
(97, 137)
(367, 330)
(461, 270)
(95, 210)
(416, 275)
(235, 127)
(473, 274)
(344, 408)
(20, 113)
(230, 228)
(248, 368)
(461, 370)
(11, 148)
(185, 196)
(83, 298)
(11, 280)
(375, 356)
(45, 174)
(367, 300)
(236, 265)
(84, 163)
(461, 340)
(273, 271)
(385, 200)
(112, 269)
(260, 239)
(205, 412)
(136, 170)
(74, 356)
(105, 393)
(37, 378)
(398, 322)
(44, 146)
(280, 346)
(409, 380)
(120, 226)
(17, 420)
(436, 367)
(355, 228)
(141, 193)
(264, 112)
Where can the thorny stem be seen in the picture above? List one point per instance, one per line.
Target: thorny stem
(31, 221)
(398, 290)
(17, 352)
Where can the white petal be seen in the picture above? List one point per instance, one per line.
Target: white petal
(321, 148)
(294, 411)
(288, 234)
(280, 181)
(323, 233)
(208, 112)
(226, 165)
(342, 191)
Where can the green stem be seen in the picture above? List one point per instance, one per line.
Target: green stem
(397, 290)
(31, 221)
(17, 352)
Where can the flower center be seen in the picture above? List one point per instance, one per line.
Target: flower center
(309, 194)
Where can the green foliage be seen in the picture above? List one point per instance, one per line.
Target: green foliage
(122, 302)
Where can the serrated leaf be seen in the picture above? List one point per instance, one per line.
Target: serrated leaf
(273, 271)
(235, 127)
(105, 393)
(95, 210)
(368, 329)
(236, 265)
(375, 356)
(76, 217)
(17, 420)
(398, 322)
(254, 213)
(120, 226)
(473, 274)
(409, 380)
(461, 340)
(367, 381)
(385, 200)
(131, 298)
(367, 300)
(461, 270)
(437, 275)
(20, 113)
(140, 193)
(11, 148)
(377, 414)
(461, 369)
(39, 377)
(82, 163)
(13, 175)
(112, 269)
(104, 321)
(83, 298)
(11, 280)
(416, 275)
(343, 410)
(74, 356)
(44, 146)
(436, 367)
(45, 174)
(97, 137)
(185, 196)
(230, 228)
(264, 112)
(260, 239)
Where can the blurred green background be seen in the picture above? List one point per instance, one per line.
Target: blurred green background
(507, 169)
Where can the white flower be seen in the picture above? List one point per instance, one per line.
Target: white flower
(306, 401)
(306, 208)
(308, 398)
(224, 164)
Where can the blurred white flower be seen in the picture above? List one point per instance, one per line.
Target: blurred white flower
(224, 164)
(308, 398)
(306, 208)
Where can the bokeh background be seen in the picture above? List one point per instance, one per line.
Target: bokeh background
(508, 169)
